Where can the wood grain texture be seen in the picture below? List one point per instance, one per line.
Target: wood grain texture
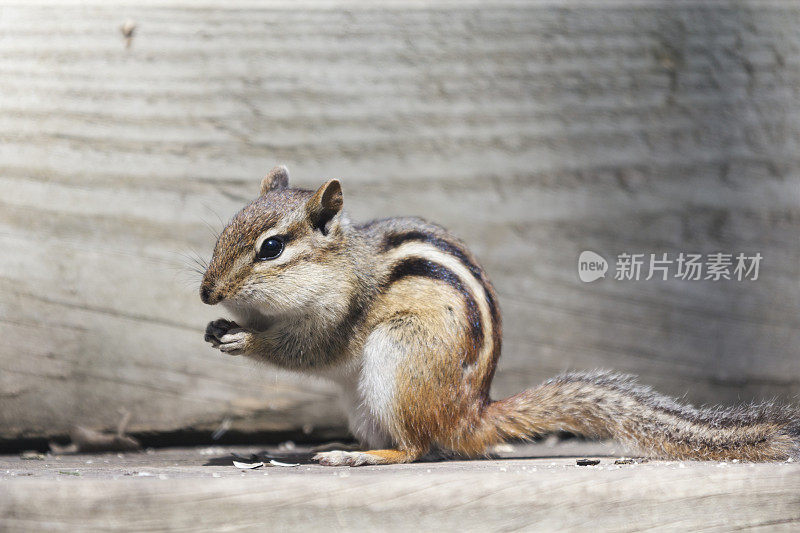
(536, 488)
(534, 130)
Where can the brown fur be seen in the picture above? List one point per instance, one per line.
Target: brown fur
(431, 394)
(401, 314)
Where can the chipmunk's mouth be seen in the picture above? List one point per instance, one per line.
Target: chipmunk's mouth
(248, 317)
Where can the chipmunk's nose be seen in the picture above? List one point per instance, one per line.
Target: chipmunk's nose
(206, 294)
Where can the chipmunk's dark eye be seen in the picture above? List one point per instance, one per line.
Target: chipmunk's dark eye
(270, 249)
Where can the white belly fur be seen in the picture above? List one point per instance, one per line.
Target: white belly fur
(368, 390)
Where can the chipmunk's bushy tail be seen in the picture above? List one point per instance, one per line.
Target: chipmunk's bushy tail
(608, 405)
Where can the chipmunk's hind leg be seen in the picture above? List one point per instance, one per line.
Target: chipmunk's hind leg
(370, 457)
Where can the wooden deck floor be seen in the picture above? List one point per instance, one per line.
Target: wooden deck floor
(534, 487)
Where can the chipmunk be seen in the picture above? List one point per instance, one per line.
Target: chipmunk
(403, 318)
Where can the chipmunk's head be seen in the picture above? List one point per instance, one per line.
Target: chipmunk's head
(282, 253)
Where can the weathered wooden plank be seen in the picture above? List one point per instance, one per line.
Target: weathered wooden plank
(534, 488)
(535, 130)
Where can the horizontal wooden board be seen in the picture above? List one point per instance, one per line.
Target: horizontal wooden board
(534, 130)
(533, 487)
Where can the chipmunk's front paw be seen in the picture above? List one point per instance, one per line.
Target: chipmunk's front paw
(217, 329)
(227, 336)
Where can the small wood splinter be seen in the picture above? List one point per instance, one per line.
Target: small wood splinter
(86, 440)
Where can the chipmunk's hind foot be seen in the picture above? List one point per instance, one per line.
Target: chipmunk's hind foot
(370, 457)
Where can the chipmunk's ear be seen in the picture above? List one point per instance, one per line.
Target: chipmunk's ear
(278, 178)
(324, 205)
